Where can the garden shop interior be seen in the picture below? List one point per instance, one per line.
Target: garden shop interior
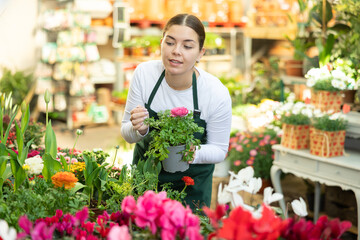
(291, 68)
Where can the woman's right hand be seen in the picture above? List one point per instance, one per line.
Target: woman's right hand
(138, 115)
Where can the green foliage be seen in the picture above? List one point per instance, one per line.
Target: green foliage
(267, 82)
(17, 83)
(296, 119)
(135, 181)
(329, 123)
(348, 46)
(213, 41)
(98, 154)
(34, 132)
(172, 131)
(252, 149)
(41, 201)
(235, 88)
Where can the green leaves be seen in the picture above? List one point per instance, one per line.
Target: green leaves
(50, 141)
(325, 123)
(51, 166)
(172, 131)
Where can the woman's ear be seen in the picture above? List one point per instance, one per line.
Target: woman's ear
(202, 52)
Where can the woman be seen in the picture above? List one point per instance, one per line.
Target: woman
(176, 82)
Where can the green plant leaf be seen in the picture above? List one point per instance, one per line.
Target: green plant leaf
(64, 163)
(51, 166)
(77, 187)
(50, 141)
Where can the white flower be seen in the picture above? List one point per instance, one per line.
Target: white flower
(299, 207)
(224, 196)
(270, 197)
(35, 164)
(253, 185)
(6, 232)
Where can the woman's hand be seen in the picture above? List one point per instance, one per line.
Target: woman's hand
(138, 115)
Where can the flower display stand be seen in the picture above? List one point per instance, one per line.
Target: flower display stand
(174, 163)
(325, 100)
(327, 144)
(295, 136)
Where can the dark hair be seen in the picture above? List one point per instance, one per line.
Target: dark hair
(190, 21)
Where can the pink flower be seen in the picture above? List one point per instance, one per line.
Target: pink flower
(253, 152)
(179, 112)
(82, 215)
(41, 231)
(237, 163)
(148, 208)
(128, 205)
(175, 212)
(239, 148)
(117, 232)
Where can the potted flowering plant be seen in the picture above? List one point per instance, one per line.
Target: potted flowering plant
(175, 127)
(253, 149)
(326, 84)
(327, 134)
(295, 119)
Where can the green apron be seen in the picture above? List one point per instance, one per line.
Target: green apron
(199, 194)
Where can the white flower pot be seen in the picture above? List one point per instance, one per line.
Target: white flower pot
(174, 161)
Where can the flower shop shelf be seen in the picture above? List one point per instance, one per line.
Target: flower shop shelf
(341, 171)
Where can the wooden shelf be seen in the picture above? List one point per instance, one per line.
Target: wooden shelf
(275, 33)
(208, 58)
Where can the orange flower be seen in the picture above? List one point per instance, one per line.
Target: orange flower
(64, 179)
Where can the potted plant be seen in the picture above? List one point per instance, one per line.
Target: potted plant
(295, 119)
(173, 133)
(327, 134)
(348, 47)
(301, 43)
(326, 84)
(252, 149)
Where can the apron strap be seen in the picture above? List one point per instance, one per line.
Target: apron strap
(152, 95)
(195, 97)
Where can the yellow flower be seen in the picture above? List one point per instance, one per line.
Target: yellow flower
(64, 179)
(77, 167)
(26, 167)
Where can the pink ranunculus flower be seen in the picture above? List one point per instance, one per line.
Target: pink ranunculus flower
(179, 112)
(128, 204)
(253, 152)
(119, 232)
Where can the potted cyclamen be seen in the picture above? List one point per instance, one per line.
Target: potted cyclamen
(327, 134)
(327, 84)
(295, 119)
(173, 138)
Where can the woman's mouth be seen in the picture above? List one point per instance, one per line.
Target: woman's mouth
(175, 62)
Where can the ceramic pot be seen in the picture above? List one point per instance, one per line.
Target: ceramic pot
(294, 68)
(349, 96)
(174, 161)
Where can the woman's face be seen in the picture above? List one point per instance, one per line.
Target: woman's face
(180, 49)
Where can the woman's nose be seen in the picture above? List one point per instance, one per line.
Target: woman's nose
(176, 49)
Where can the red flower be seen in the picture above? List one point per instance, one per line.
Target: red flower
(179, 112)
(217, 215)
(188, 181)
(242, 225)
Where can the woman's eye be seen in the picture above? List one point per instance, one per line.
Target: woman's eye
(169, 43)
(187, 47)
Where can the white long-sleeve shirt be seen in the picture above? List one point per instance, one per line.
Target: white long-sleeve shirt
(213, 99)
